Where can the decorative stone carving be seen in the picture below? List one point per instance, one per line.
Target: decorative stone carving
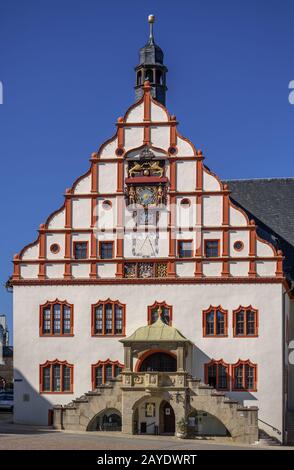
(138, 379)
(161, 270)
(153, 168)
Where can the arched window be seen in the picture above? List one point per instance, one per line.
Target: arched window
(56, 377)
(245, 322)
(108, 318)
(104, 371)
(160, 361)
(149, 75)
(159, 77)
(215, 322)
(56, 319)
(139, 78)
(217, 374)
(160, 309)
(244, 375)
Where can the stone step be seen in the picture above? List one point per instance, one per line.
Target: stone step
(266, 439)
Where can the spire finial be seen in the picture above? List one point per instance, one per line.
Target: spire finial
(151, 19)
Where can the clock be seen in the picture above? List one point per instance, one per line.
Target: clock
(146, 196)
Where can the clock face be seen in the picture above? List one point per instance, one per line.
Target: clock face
(146, 196)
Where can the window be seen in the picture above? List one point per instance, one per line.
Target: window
(106, 250)
(56, 319)
(54, 248)
(104, 371)
(185, 248)
(162, 309)
(56, 377)
(215, 322)
(149, 75)
(185, 202)
(106, 205)
(244, 376)
(108, 318)
(139, 78)
(80, 250)
(245, 322)
(238, 245)
(217, 375)
(211, 248)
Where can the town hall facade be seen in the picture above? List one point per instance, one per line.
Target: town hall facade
(149, 301)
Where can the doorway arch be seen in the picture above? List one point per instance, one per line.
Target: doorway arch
(157, 361)
(167, 420)
(108, 419)
(202, 423)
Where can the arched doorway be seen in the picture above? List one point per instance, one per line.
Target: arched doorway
(202, 423)
(166, 418)
(106, 420)
(158, 362)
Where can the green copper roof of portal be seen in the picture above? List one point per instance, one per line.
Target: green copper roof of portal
(158, 331)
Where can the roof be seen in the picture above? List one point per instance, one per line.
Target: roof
(270, 202)
(158, 331)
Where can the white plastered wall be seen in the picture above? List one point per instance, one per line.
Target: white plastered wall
(81, 213)
(188, 301)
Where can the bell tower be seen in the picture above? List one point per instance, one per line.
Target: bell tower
(151, 68)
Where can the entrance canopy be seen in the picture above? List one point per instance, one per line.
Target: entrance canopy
(157, 332)
(157, 337)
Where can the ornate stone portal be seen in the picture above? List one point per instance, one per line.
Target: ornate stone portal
(157, 395)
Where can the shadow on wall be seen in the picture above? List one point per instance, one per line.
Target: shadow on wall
(198, 371)
(30, 407)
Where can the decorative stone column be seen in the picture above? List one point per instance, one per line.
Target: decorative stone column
(128, 357)
(180, 358)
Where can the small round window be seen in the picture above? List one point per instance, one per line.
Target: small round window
(106, 205)
(238, 245)
(119, 151)
(173, 150)
(54, 248)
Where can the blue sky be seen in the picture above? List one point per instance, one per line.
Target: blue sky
(67, 69)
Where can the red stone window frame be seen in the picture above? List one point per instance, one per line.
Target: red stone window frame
(109, 242)
(77, 242)
(105, 318)
(248, 324)
(244, 376)
(216, 325)
(208, 240)
(218, 379)
(51, 320)
(180, 250)
(157, 305)
(50, 366)
(103, 365)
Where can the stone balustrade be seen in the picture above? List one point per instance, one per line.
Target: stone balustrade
(154, 379)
